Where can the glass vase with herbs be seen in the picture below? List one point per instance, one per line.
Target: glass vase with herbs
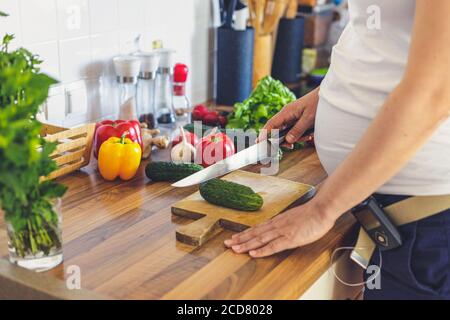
(30, 203)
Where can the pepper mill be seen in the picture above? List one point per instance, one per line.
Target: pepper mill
(181, 103)
(164, 102)
(146, 88)
(127, 70)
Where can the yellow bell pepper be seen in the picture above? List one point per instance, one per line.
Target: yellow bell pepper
(119, 157)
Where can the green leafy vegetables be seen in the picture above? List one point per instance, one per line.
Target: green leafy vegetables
(26, 200)
(266, 100)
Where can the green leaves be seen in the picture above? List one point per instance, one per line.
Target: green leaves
(50, 189)
(24, 155)
(2, 14)
(266, 100)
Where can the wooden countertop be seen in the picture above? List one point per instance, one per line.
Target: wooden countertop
(122, 236)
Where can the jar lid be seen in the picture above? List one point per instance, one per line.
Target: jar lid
(149, 61)
(127, 66)
(180, 72)
(166, 58)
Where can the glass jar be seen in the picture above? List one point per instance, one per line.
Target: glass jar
(165, 114)
(164, 102)
(146, 101)
(146, 87)
(127, 99)
(38, 246)
(127, 69)
(180, 101)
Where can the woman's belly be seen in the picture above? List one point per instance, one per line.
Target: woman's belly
(427, 173)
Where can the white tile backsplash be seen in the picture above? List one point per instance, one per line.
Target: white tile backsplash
(48, 53)
(73, 18)
(12, 23)
(75, 58)
(127, 37)
(132, 13)
(104, 15)
(104, 47)
(78, 38)
(38, 19)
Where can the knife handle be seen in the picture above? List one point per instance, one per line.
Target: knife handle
(230, 11)
(282, 133)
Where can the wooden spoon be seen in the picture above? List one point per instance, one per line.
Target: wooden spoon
(260, 5)
(274, 11)
(292, 9)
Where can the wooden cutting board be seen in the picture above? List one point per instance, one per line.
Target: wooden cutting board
(278, 194)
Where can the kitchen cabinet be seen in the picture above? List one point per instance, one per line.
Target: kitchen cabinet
(121, 236)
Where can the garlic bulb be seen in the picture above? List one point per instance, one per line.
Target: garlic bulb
(183, 152)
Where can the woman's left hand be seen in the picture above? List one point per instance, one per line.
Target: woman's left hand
(294, 228)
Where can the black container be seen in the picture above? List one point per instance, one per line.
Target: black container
(234, 65)
(287, 61)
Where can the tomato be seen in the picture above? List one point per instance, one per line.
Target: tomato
(199, 112)
(197, 115)
(191, 138)
(202, 108)
(211, 118)
(214, 148)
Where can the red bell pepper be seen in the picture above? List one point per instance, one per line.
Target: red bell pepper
(109, 128)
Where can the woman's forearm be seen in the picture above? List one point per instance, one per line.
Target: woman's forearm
(403, 125)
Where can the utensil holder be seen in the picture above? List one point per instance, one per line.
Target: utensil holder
(234, 65)
(262, 64)
(287, 62)
(73, 149)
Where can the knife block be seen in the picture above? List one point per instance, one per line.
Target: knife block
(234, 65)
(287, 62)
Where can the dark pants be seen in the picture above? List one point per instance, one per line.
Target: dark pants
(420, 268)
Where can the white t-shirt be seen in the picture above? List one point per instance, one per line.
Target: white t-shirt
(366, 65)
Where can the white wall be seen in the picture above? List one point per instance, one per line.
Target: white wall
(78, 38)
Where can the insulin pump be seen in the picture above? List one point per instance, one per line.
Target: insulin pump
(376, 223)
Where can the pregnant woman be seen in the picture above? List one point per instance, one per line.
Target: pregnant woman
(382, 128)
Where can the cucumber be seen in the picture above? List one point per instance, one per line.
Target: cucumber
(169, 171)
(231, 195)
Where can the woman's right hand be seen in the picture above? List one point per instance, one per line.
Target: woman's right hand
(302, 112)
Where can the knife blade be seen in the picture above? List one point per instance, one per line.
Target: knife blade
(258, 152)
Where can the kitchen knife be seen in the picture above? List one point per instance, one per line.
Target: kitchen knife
(240, 17)
(258, 152)
(230, 13)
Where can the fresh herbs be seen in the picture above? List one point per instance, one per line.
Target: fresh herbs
(266, 100)
(26, 200)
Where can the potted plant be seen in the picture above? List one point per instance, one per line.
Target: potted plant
(31, 204)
